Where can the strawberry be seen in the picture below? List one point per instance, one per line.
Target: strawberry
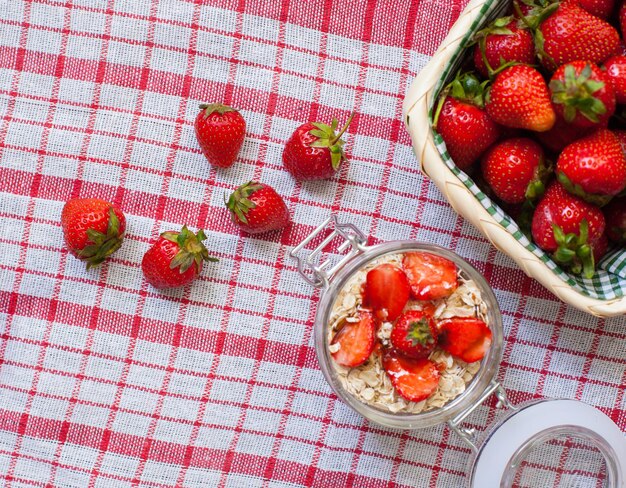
(621, 136)
(582, 94)
(314, 151)
(600, 247)
(622, 18)
(386, 291)
(594, 167)
(566, 226)
(356, 340)
(598, 8)
(414, 379)
(431, 277)
(466, 338)
(220, 131)
(615, 214)
(616, 72)
(502, 42)
(175, 259)
(572, 34)
(257, 208)
(515, 170)
(414, 334)
(562, 134)
(93, 229)
(462, 122)
(519, 98)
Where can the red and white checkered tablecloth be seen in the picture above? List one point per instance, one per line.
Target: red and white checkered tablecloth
(105, 382)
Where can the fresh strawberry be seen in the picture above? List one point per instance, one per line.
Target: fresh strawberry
(566, 226)
(598, 8)
(621, 136)
(220, 131)
(431, 277)
(519, 98)
(466, 338)
(414, 334)
(414, 379)
(600, 247)
(572, 34)
(462, 122)
(594, 167)
(257, 208)
(622, 18)
(561, 135)
(616, 71)
(175, 259)
(615, 214)
(582, 94)
(502, 42)
(386, 291)
(93, 229)
(515, 170)
(356, 340)
(314, 151)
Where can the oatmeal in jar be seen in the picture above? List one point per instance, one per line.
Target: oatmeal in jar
(407, 333)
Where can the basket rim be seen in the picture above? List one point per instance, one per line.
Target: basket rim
(416, 117)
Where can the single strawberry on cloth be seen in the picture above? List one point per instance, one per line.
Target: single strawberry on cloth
(107, 381)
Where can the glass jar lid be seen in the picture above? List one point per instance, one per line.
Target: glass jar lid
(551, 443)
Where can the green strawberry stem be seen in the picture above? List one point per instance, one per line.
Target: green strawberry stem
(220, 108)
(343, 129)
(326, 138)
(192, 250)
(239, 202)
(574, 251)
(575, 189)
(103, 244)
(419, 333)
(575, 93)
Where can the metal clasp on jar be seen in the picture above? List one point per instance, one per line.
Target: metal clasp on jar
(319, 275)
(469, 434)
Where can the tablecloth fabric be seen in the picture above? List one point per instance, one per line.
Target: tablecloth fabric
(105, 382)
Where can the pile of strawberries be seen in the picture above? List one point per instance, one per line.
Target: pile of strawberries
(537, 116)
(94, 228)
(415, 334)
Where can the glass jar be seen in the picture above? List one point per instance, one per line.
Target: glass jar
(502, 450)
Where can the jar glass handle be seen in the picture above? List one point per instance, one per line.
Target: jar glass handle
(320, 274)
(469, 434)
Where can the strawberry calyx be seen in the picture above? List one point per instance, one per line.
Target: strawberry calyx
(575, 93)
(574, 251)
(466, 87)
(220, 108)
(537, 187)
(576, 189)
(104, 244)
(419, 333)
(192, 250)
(326, 138)
(239, 202)
(541, 10)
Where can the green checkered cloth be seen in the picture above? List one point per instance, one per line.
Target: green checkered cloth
(609, 281)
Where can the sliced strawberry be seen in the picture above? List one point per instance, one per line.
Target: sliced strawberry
(465, 338)
(386, 291)
(356, 340)
(414, 379)
(414, 334)
(430, 276)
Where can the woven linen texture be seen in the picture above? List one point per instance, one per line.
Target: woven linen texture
(105, 382)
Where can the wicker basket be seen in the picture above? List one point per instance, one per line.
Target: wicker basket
(417, 106)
